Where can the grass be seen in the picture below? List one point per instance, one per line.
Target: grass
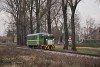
(89, 50)
(7, 43)
(10, 56)
(59, 47)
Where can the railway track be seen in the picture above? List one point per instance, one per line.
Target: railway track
(72, 53)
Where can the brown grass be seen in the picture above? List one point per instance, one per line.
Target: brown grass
(17, 57)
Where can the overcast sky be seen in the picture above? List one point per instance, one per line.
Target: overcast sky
(86, 9)
(89, 9)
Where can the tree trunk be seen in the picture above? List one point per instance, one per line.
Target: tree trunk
(24, 23)
(61, 38)
(73, 4)
(64, 8)
(73, 31)
(17, 24)
(37, 15)
(48, 15)
(31, 12)
(21, 29)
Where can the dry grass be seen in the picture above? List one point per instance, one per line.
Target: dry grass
(17, 57)
(88, 50)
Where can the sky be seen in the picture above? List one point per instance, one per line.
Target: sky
(86, 8)
(89, 9)
(4, 20)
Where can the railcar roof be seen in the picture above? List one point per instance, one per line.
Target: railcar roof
(43, 33)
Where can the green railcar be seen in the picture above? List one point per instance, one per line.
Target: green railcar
(41, 40)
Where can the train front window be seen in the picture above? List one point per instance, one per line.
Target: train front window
(50, 40)
(50, 37)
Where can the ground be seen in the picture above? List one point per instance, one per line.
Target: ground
(89, 50)
(11, 56)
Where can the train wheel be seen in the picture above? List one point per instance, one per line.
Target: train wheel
(53, 46)
(47, 47)
(43, 47)
(50, 47)
(30, 46)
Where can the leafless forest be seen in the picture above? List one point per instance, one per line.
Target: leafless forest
(58, 17)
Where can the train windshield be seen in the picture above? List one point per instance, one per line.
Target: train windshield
(50, 37)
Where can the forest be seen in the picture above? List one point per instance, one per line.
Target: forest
(57, 17)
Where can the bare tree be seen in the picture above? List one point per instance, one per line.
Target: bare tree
(73, 4)
(77, 27)
(40, 12)
(90, 26)
(37, 2)
(12, 7)
(49, 15)
(11, 30)
(31, 15)
(64, 9)
(18, 9)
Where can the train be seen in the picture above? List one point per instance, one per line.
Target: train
(40, 40)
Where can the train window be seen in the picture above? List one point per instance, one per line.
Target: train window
(29, 37)
(46, 37)
(33, 37)
(51, 37)
(42, 36)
